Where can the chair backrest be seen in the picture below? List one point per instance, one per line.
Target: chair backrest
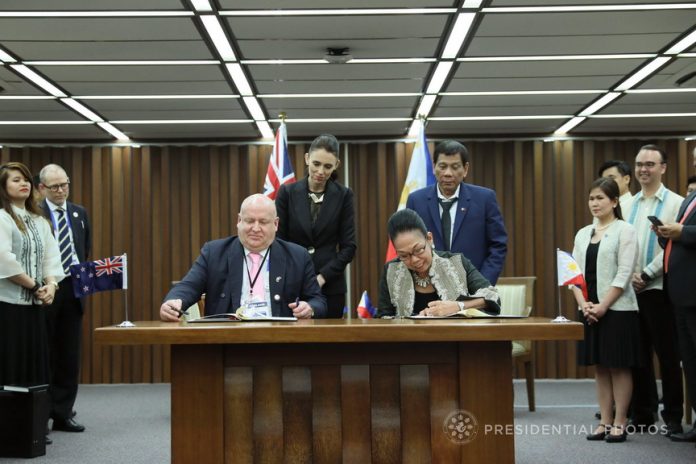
(516, 295)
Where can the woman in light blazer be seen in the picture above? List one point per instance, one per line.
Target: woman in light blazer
(606, 251)
(318, 213)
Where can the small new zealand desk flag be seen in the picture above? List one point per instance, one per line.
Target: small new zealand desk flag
(100, 275)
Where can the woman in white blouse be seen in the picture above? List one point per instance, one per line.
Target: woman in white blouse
(606, 251)
(29, 273)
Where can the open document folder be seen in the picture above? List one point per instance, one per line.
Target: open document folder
(469, 313)
(243, 314)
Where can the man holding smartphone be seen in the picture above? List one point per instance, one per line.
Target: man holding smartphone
(658, 327)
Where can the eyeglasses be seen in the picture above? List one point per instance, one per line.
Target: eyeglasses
(56, 187)
(418, 251)
(647, 164)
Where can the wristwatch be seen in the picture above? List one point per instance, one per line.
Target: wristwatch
(55, 284)
(645, 277)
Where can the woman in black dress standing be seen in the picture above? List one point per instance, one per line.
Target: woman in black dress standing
(606, 251)
(318, 213)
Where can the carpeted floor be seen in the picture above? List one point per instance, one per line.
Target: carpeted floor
(130, 424)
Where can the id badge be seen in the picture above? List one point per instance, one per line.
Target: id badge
(256, 309)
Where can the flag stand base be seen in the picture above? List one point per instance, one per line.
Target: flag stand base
(126, 324)
(561, 319)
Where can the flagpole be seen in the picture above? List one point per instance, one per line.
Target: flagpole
(560, 318)
(127, 322)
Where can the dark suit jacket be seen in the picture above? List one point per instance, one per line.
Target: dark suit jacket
(79, 224)
(479, 232)
(682, 260)
(218, 272)
(333, 234)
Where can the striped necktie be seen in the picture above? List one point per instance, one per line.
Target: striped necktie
(64, 240)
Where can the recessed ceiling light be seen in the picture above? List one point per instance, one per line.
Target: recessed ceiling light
(683, 44)
(340, 12)
(599, 104)
(38, 80)
(182, 121)
(152, 97)
(313, 120)
(113, 131)
(644, 115)
(500, 118)
(44, 123)
(218, 36)
(340, 95)
(201, 5)
(239, 79)
(472, 3)
(254, 108)
(82, 109)
(660, 90)
(617, 56)
(439, 76)
(94, 14)
(459, 32)
(123, 63)
(565, 128)
(426, 105)
(6, 57)
(265, 129)
(643, 73)
(26, 97)
(587, 8)
(522, 92)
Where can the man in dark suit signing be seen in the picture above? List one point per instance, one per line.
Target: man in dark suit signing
(252, 269)
(463, 218)
(71, 229)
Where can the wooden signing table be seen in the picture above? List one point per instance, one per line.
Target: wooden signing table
(326, 391)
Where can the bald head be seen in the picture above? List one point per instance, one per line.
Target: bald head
(257, 222)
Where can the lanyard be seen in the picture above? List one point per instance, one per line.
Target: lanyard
(258, 272)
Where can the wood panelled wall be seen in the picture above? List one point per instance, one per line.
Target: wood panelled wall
(161, 203)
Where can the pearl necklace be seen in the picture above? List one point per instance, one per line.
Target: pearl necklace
(597, 229)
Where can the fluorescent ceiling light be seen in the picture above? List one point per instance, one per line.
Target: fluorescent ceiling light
(618, 56)
(276, 62)
(26, 97)
(44, 123)
(152, 97)
(265, 129)
(113, 131)
(38, 80)
(599, 104)
(123, 63)
(93, 14)
(201, 5)
(500, 118)
(459, 32)
(82, 109)
(182, 121)
(426, 105)
(565, 128)
(683, 44)
(339, 95)
(439, 76)
(353, 61)
(218, 36)
(583, 8)
(688, 139)
(642, 73)
(472, 3)
(313, 120)
(5, 57)
(254, 108)
(340, 12)
(523, 92)
(239, 79)
(661, 90)
(645, 115)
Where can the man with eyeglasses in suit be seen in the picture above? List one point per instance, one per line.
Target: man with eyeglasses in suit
(71, 228)
(658, 325)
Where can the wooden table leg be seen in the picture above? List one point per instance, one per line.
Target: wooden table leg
(197, 403)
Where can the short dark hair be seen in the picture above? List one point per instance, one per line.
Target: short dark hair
(611, 190)
(405, 220)
(451, 147)
(621, 166)
(653, 147)
(691, 180)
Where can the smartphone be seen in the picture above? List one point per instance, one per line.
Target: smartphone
(656, 222)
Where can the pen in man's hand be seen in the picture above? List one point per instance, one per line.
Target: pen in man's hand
(181, 313)
(297, 301)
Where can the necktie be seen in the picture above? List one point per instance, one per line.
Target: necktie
(64, 240)
(447, 221)
(668, 248)
(257, 289)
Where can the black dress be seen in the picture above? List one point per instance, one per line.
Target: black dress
(23, 345)
(614, 340)
(421, 300)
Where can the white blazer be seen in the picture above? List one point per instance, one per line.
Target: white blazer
(616, 260)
